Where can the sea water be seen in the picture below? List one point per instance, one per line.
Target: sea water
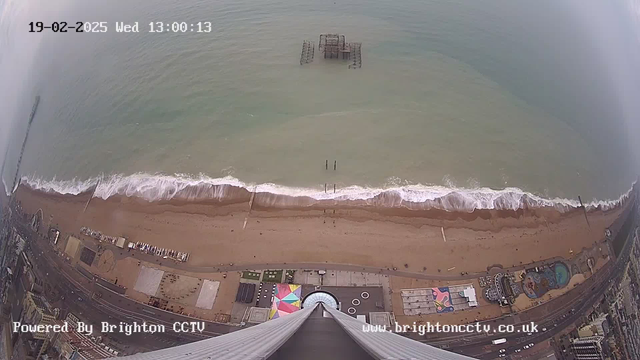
(478, 98)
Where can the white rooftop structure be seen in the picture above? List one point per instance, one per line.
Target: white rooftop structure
(320, 296)
(470, 294)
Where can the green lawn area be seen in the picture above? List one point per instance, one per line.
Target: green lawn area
(272, 276)
(251, 275)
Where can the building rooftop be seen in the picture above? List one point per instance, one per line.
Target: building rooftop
(41, 304)
(86, 347)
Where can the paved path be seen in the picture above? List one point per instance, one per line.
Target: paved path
(140, 255)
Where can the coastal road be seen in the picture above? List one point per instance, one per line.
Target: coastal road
(568, 314)
(555, 315)
(95, 303)
(109, 299)
(76, 297)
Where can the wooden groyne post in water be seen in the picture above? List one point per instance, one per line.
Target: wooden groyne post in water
(326, 167)
(326, 164)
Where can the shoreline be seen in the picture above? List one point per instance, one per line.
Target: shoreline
(182, 188)
(214, 232)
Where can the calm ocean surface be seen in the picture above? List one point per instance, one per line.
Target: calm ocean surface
(539, 96)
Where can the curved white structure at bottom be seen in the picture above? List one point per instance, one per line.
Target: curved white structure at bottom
(261, 341)
(319, 297)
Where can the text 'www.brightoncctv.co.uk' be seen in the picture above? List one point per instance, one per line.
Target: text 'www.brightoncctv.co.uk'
(429, 327)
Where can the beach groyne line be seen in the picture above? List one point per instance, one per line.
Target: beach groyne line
(586, 218)
(253, 195)
(93, 193)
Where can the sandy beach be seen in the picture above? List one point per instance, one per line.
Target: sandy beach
(410, 240)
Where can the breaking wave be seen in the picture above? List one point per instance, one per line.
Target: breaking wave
(6, 187)
(159, 187)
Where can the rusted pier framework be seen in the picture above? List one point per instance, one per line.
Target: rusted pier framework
(308, 52)
(356, 56)
(333, 46)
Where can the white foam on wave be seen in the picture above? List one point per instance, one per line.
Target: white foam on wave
(6, 187)
(160, 187)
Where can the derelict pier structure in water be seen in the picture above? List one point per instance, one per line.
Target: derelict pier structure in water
(333, 46)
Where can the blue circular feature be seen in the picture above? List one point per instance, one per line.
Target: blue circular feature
(562, 274)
